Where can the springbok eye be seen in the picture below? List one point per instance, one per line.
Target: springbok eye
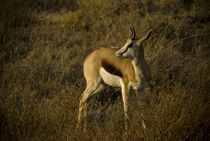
(130, 45)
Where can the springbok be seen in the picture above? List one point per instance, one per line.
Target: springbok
(125, 68)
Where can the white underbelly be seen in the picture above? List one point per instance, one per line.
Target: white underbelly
(110, 79)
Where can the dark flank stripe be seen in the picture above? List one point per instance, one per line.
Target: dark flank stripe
(111, 69)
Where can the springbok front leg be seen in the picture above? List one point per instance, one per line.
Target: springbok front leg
(139, 94)
(125, 98)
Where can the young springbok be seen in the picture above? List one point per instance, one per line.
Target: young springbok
(125, 68)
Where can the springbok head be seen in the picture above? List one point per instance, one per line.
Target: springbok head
(133, 46)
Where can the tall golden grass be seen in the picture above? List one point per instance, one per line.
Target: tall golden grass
(42, 48)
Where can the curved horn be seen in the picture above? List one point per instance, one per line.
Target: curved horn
(133, 33)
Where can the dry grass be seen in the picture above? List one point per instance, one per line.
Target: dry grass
(42, 48)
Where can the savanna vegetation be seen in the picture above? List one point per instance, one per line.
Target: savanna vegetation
(43, 44)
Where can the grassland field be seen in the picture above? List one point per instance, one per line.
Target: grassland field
(43, 44)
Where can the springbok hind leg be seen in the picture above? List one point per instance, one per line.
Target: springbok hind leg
(99, 88)
(91, 87)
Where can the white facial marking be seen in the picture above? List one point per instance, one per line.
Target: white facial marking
(125, 52)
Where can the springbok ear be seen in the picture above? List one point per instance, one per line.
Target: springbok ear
(147, 35)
